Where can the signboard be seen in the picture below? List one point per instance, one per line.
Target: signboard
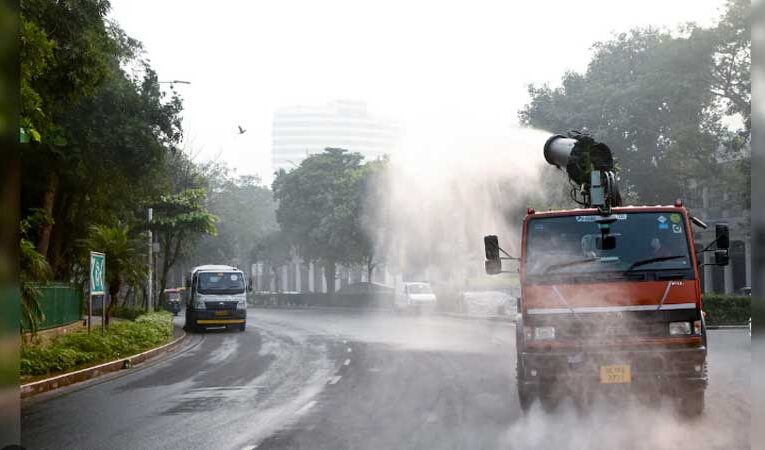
(97, 273)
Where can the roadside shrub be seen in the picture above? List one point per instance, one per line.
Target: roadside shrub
(126, 312)
(727, 309)
(74, 351)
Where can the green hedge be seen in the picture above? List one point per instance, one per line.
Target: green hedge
(126, 312)
(78, 350)
(727, 309)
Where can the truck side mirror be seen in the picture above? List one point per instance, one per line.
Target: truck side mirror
(491, 245)
(493, 266)
(493, 263)
(249, 285)
(722, 258)
(722, 236)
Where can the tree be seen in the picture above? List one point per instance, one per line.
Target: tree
(657, 99)
(319, 209)
(180, 219)
(65, 47)
(246, 212)
(643, 94)
(105, 145)
(374, 210)
(731, 71)
(274, 251)
(33, 268)
(123, 259)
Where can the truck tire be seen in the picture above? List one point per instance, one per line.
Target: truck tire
(242, 327)
(526, 397)
(692, 403)
(549, 399)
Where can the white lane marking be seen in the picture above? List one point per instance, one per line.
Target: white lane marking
(305, 408)
(250, 447)
(349, 350)
(335, 379)
(347, 362)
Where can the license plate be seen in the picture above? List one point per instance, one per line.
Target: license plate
(221, 313)
(616, 374)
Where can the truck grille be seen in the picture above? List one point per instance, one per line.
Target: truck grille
(220, 306)
(645, 329)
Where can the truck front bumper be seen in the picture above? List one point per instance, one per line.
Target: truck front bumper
(666, 369)
(213, 318)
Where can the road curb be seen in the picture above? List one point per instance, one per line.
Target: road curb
(66, 379)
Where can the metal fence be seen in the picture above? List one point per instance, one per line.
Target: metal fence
(60, 303)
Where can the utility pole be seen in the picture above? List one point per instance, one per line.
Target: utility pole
(150, 286)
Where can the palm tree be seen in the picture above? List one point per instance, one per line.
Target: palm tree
(123, 260)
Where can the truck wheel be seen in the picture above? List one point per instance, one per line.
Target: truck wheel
(692, 403)
(549, 401)
(242, 327)
(526, 398)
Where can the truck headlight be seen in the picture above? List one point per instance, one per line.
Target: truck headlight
(679, 328)
(199, 305)
(544, 333)
(241, 304)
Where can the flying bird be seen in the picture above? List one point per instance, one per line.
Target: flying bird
(241, 130)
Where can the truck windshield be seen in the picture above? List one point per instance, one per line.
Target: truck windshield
(220, 283)
(572, 244)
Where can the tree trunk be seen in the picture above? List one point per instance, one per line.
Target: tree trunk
(166, 264)
(49, 199)
(114, 292)
(59, 237)
(330, 271)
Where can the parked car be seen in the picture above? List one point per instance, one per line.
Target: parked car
(415, 297)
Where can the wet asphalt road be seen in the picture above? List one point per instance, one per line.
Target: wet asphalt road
(309, 379)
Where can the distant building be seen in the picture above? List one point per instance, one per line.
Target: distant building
(302, 130)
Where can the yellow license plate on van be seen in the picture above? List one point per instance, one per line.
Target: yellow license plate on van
(616, 374)
(221, 313)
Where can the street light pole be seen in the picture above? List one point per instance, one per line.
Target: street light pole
(150, 286)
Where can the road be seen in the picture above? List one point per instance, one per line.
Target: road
(334, 380)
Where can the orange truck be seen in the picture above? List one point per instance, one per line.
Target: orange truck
(610, 294)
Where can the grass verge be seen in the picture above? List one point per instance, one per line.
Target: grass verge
(79, 350)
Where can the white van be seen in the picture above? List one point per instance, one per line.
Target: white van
(216, 296)
(415, 296)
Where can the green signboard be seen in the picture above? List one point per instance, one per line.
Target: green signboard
(97, 273)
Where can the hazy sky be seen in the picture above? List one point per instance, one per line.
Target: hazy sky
(440, 67)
